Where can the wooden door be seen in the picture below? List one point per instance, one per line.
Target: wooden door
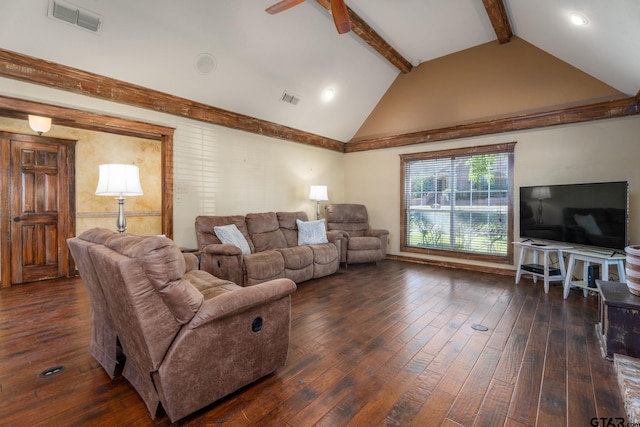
(40, 209)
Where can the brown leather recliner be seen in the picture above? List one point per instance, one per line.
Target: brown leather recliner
(104, 345)
(189, 337)
(360, 243)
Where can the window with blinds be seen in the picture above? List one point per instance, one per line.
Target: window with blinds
(460, 201)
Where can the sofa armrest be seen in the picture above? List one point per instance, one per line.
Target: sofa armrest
(239, 300)
(191, 261)
(373, 232)
(383, 235)
(334, 236)
(222, 249)
(223, 261)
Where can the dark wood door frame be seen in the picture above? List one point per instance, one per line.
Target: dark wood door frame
(19, 109)
(11, 201)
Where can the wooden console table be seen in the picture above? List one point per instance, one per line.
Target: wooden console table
(592, 257)
(541, 270)
(619, 315)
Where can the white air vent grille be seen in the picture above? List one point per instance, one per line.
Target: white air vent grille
(290, 98)
(72, 14)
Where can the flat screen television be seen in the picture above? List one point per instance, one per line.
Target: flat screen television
(594, 214)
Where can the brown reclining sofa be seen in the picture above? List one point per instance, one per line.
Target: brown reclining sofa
(273, 242)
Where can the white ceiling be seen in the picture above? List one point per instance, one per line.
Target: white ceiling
(154, 43)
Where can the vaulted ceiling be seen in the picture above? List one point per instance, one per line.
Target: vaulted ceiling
(233, 56)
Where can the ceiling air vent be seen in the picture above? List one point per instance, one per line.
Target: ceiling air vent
(72, 14)
(290, 98)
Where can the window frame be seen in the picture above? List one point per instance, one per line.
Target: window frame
(503, 148)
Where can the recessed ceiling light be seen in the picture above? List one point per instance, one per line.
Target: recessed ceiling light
(328, 94)
(577, 19)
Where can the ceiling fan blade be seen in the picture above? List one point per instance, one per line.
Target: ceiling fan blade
(340, 16)
(282, 6)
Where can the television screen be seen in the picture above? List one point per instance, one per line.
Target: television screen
(582, 214)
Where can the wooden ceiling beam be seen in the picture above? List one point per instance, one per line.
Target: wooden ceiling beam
(63, 116)
(583, 113)
(373, 39)
(499, 19)
(37, 71)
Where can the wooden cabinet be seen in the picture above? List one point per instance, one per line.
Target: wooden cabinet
(619, 319)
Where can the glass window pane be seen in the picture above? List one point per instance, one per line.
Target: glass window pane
(458, 202)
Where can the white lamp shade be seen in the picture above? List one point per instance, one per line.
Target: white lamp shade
(39, 124)
(541, 193)
(119, 180)
(318, 192)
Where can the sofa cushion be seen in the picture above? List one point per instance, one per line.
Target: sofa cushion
(298, 263)
(263, 266)
(297, 257)
(364, 243)
(326, 253)
(311, 232)
(231, 235)
(326, 259)
(265, 232)
(289, 227)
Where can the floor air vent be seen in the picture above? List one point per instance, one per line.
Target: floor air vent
(71, 14)
(51, 371)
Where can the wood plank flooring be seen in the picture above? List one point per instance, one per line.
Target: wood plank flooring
(385, 345)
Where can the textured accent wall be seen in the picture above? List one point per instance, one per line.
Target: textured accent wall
(143, 213)
(485, 82)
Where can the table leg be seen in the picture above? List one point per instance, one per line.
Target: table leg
(567, 279)
(519, 273)
(621, 273)
(585, 276)
(546, 272)
(563, 270)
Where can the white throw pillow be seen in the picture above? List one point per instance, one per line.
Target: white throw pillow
(230, 235)
(311, 232)
(589, 223)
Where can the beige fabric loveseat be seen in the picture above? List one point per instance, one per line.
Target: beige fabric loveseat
(273, 250)
(189, 338)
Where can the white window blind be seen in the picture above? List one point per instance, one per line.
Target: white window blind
(195, 177)
(458, 200)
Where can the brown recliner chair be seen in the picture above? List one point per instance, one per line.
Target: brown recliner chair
(104, 345)
(360, 243)
(189, 337)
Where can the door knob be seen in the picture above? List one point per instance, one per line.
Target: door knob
(17, 219)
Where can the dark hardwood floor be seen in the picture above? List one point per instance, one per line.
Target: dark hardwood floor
(391, 344)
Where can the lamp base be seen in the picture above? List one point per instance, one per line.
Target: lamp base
(121, 222)
(318, 210)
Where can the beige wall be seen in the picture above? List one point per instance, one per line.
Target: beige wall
(605, 150)
(223, 171)
(485, 82)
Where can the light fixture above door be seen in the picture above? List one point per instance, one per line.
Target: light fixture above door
(39, 124)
